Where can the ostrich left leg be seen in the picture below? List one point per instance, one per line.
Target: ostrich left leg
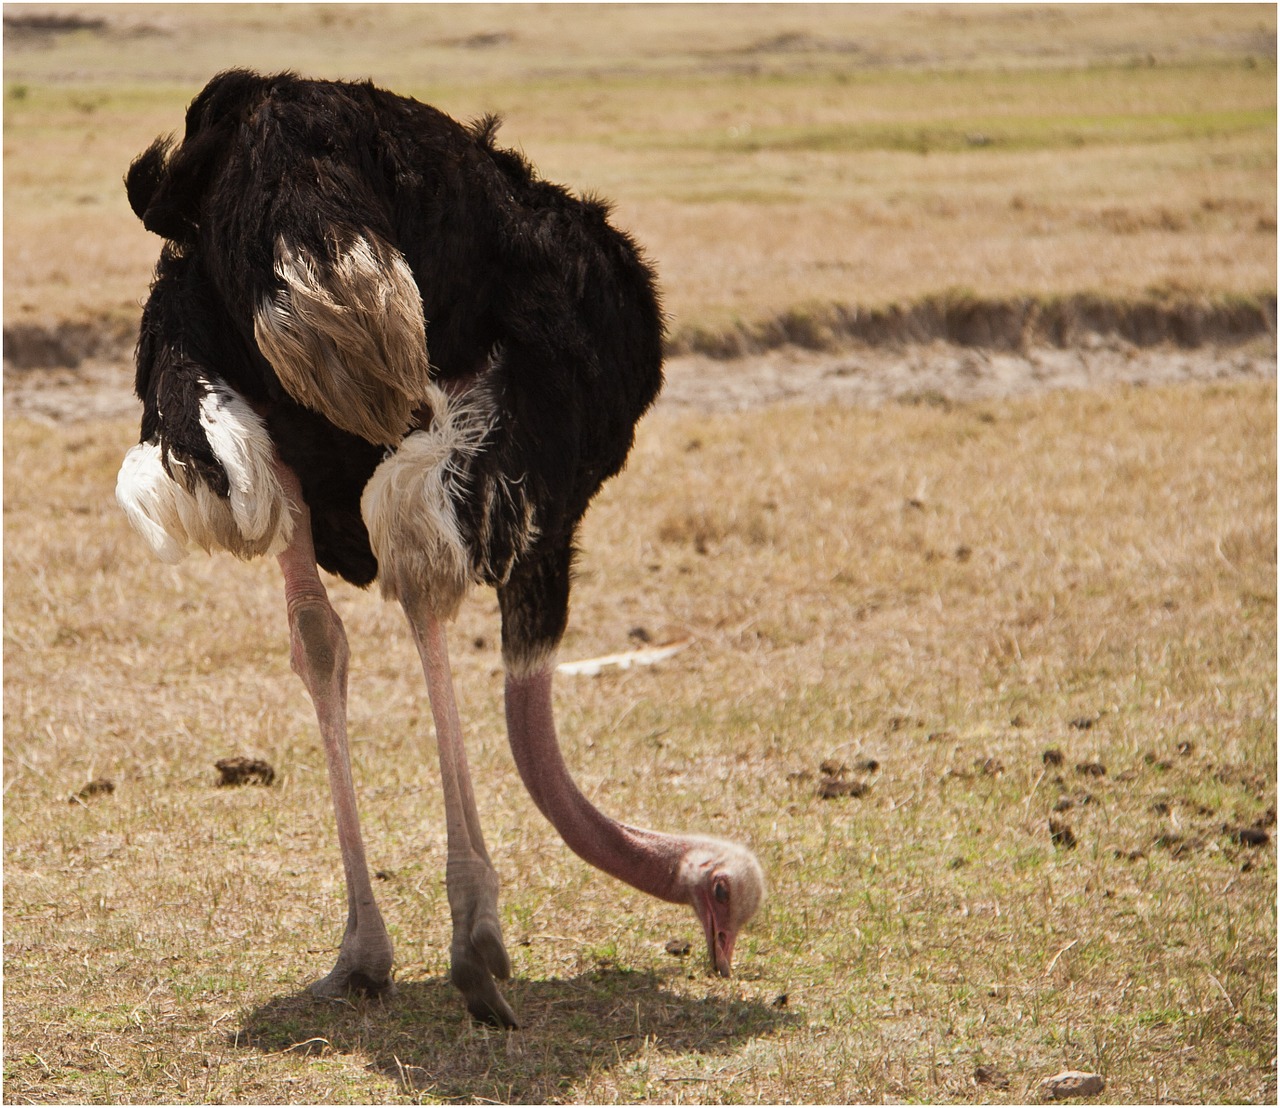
(477, 954)
(318, 652)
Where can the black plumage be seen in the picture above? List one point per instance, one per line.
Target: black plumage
(527, 291)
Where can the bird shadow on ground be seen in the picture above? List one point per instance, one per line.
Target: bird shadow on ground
(423, 1039)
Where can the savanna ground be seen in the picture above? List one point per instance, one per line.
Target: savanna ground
(1029, 631)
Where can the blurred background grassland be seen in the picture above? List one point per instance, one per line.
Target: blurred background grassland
(770, 157)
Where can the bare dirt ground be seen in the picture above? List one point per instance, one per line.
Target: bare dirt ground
(942, 373)
(933, 373)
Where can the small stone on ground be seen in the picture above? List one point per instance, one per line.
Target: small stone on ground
(1069, 1083)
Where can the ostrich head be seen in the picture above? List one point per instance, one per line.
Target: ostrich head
(725, 886)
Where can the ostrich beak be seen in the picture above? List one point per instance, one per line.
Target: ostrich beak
(719, 943)
(720, 947)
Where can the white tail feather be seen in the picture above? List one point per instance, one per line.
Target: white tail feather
(256, 517)
(147, 495)
(240, 441)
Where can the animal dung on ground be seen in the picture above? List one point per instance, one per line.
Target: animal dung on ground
(833, 783)
(832, 768)
(244, 771)
(645, 656)
(1091, 769)
(99, 786)
(1250, 836)
(831, 787)
(1052, 757)
(1069, 1083)
(1061, 834)
(989, 1075)
(679, 948)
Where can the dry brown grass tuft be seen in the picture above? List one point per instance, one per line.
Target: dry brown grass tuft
(945, 593)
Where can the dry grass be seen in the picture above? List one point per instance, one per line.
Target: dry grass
(946, 592)
(768, 156)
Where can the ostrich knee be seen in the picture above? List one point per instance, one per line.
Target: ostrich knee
(318, 648)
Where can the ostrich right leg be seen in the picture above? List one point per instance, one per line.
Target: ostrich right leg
(318, 653)
(476, 955)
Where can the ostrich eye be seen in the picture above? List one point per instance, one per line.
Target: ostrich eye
(721, 891)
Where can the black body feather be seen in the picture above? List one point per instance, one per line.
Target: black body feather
(527, 291)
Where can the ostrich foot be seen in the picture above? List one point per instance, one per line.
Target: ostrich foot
(363, 968)
(477, 954)
(343, 982)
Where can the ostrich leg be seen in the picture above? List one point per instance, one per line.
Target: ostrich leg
(476, 953)
(318, 653)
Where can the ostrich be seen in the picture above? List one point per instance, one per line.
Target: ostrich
(380, 344)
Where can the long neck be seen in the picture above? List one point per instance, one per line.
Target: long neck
(647, 860)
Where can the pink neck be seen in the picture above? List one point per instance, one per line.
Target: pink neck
(647, 860)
